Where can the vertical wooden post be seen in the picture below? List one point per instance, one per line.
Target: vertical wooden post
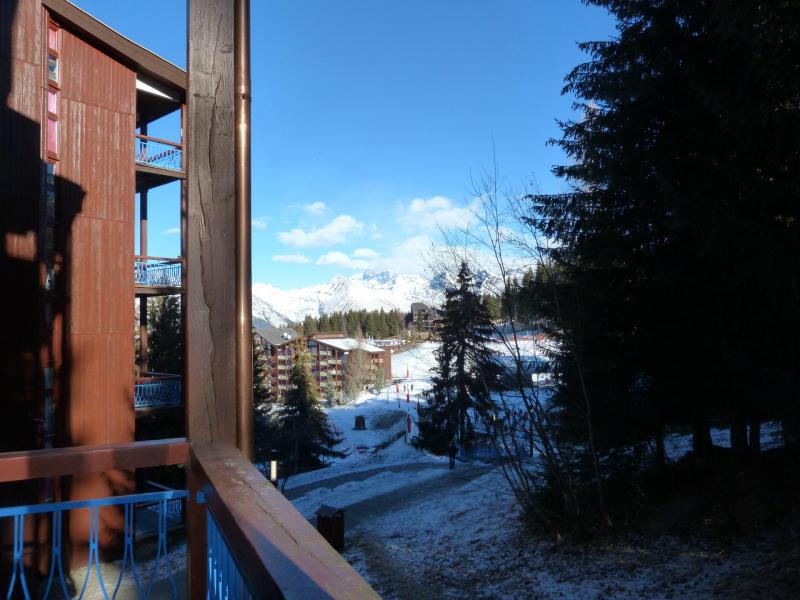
(211, 410)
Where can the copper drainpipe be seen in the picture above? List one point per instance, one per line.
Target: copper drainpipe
(144, 351)
(244, 319)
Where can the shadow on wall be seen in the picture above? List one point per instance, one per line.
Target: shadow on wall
(34, 317)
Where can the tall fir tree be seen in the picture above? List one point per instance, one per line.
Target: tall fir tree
(466, 370)
(679, 241)
(304, 436)
(264, 422)
(165, 338)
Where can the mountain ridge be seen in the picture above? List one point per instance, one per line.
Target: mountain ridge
(369, 290)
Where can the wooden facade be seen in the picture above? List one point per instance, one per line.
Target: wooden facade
(67, 133)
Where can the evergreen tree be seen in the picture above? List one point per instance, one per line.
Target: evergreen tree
(165, 338)
(678, 243)
(466, 369)
(264, 426)
(304, 436)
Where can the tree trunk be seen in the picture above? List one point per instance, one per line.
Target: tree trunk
(755, 434)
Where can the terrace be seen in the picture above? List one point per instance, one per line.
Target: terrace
(248, 541)
(157, 390)
(160, 275)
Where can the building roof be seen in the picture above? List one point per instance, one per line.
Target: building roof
(348, 344)
(277, 336)
(139, 59)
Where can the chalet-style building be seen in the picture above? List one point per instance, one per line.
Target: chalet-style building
(76, 101)
(328, 354)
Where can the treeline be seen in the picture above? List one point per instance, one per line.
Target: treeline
(519, 299)
(674, 257)
(358, 323)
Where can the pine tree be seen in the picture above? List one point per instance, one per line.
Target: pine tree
(678, 242)
(304, 436)
(264, 425)
(165, 339)
(466, 370)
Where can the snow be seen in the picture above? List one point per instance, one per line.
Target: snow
(348, 344)
(416, 529)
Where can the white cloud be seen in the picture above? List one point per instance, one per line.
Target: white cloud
(290, 258)
(259, 222)
(375, 232)
(436, 213)
(338, 231)
(172, 231)
(364, 253)
(340, 259)
(410, 255)
(314, 208)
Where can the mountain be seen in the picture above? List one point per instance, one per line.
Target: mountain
(369, 291)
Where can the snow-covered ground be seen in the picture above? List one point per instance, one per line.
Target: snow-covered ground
(415, 529)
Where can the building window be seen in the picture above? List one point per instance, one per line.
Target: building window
(50, 192)
(52, 68)
(52, 135)
(52, 103)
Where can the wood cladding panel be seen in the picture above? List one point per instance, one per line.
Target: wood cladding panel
(96, 157)
(101, 291)
(90, 418)
(94, 78)
(211, 304)
(21, 37)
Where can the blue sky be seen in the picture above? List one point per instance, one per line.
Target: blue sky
(371, 117)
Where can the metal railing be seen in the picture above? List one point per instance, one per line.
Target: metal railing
(224, 579)
(245, 539)
(155, 152)
(157, 390)
(154, 271)
(56, 583)
(148, 515)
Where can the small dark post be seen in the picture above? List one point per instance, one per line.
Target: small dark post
(330, 524)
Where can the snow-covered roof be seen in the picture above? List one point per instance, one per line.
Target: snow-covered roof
(348, 344)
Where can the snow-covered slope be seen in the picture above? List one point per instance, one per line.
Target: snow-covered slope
(370, 291)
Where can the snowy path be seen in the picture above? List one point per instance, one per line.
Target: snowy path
(360, 513)
(337, 480)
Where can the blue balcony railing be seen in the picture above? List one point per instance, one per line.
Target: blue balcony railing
(224, 579)
(157, 390)
(142, 576)
(162, 154)
(152, 271)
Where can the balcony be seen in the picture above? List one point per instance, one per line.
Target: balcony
(158, 275)
(158, 153)
(157, 162)
(157, 390)
(245, 540)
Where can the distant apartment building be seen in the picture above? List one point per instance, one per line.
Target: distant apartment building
(280, 352)
(329, 354)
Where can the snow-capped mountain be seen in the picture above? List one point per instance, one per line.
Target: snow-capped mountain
(370, 291)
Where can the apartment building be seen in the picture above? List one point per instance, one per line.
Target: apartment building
(77, 101)
(328, 354)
